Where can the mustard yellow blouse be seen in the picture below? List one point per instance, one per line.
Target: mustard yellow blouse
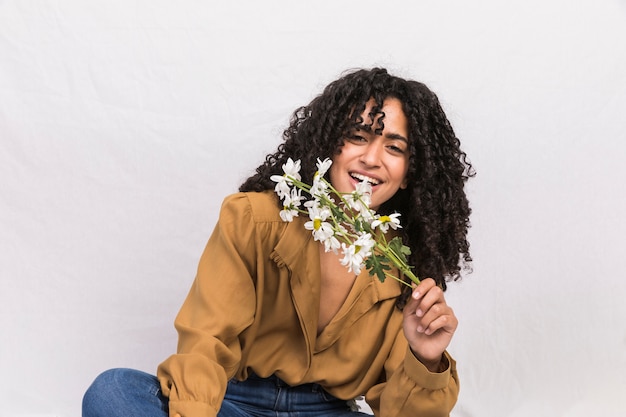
(254, 306)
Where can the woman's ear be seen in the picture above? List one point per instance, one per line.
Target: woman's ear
(405, 183)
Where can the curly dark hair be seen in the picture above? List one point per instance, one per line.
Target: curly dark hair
(433, 207)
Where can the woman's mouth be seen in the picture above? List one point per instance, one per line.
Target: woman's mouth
(361, 177)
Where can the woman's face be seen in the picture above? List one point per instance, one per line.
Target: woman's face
(382, 160)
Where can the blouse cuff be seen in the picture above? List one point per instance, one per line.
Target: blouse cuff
(191, 409)
(418, 372)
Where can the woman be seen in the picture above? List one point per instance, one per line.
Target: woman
(275, 325)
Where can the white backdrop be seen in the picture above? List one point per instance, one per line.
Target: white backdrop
(123, 124)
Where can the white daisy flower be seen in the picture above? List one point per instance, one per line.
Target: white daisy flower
(360, 199)
(385, 222)
(283, 182)
(287, 214)
(291, 203)
(365, 243)
(319, 188)
(332, 244)
(322, 167)
(351, 258)
(322, 230)
(354, 255)
(292, 169)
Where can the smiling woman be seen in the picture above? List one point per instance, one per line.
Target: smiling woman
(275, 321)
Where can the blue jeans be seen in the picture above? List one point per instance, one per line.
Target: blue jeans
(131, 393)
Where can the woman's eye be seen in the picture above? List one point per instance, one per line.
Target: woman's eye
(396, 149)
(357, 138)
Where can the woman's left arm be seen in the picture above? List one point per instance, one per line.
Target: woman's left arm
(425, 383)
(429, 324)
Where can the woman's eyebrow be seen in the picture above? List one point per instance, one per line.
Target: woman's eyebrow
(396, 136)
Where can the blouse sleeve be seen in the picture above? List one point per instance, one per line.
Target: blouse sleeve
(411, 389)
(219, 306)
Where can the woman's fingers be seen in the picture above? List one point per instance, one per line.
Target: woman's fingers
(430, 310)
(427, 301)
(436, 319)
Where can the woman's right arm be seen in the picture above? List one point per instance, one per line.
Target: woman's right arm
(219, 306)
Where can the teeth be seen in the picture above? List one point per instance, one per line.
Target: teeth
(364, 178)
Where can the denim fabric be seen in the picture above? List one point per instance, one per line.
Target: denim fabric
(132, 393)
(125, 392)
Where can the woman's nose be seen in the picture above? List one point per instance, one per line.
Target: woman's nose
(371, 154)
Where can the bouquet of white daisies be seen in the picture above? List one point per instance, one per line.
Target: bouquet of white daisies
(344, 222)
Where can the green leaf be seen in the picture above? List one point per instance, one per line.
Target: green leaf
(377, 265)
(400, 250)
(337, 213)
(358, 225)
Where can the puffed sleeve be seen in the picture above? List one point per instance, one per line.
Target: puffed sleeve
(219, 306)
(411, 389)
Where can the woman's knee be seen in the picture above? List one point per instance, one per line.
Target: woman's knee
(115, 389)
(107, 383)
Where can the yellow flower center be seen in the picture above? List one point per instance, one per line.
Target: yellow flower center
(385, 219)
(317, 223)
